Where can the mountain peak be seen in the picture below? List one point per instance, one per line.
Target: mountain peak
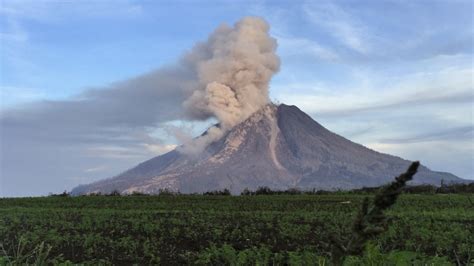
(278, 146)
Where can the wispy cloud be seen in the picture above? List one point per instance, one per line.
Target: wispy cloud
(441, 155)
(11, 96)
(96, 169)
(340, 24)
(444, 86)
(290, 46)
(425, 107)
(453, 134)
(49, 11)
(377, 72)
(18, 43)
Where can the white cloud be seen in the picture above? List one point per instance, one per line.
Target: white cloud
(10, 95)
(423, 112)
(441, 155)
(288, 46)
(434, 87)
(371, 105)
(54, 11)
(339, 23)
(158, 149)
(16, 43)
(114, 152)
(99, 168)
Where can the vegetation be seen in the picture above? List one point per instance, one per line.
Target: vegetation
(224, 192)
(371, 222)
(279, 229)
(269, 228)
(455, 188)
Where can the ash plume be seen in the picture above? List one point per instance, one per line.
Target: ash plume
(234, 67)
(225, 77)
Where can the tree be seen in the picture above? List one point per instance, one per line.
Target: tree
(371, 220)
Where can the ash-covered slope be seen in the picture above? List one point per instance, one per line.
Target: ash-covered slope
(280, 147)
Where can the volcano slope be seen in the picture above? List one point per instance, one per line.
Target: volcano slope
(279, 147)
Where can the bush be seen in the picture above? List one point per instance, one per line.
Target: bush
(421, 189)
(373, 256)
(224, 192)
(264, 191)
(114, 193)
(64, 194)
(455, 188)
(167, 192)
(228, 255)
(136, 193)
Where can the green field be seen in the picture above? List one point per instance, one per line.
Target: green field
(276, 229)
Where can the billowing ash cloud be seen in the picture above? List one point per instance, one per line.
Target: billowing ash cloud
(234, 68)
(225, 77)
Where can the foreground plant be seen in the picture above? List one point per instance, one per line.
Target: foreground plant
(39, 255)
(371, 220)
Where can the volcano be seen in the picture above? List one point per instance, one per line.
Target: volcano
(279, 147)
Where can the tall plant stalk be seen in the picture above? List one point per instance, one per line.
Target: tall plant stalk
(371, 220)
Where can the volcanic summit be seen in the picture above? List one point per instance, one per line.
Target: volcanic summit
(279, 147)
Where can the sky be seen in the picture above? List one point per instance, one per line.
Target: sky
(87, 87)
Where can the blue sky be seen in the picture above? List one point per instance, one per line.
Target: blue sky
(396, 76)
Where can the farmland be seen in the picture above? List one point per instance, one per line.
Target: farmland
(197, 229)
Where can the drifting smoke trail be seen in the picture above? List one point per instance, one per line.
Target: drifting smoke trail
(234, 68)
(225, 77)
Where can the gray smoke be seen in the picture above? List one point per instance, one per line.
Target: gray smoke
(234, 68)
(225, 77)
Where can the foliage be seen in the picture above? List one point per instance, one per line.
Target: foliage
(453, 188)
(224, 192)
(64, 194)
(185, 229)
(372, 221)
(227, 255)
(373, 257)
(167, 192)
(39, 255)
(456, 188)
